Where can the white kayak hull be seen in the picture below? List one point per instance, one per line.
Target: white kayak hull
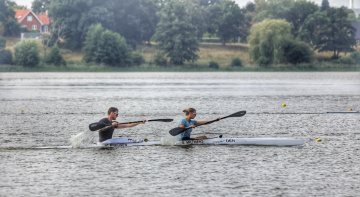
(211, 141)
(245, 141)
(114, 145)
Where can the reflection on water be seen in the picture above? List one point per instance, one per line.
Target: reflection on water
(57, 106)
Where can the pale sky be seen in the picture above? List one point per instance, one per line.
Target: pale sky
(333, 3)
(242, 3)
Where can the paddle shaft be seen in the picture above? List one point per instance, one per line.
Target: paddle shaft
(232, 115)
(107, 127)
(101, 125)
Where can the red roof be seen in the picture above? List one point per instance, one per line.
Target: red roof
(20, 14)
(43, 18)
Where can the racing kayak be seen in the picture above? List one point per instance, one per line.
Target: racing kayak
(245, 141)
(99, 145)
(211, 141)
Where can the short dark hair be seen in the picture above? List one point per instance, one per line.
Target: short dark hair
(112, 109)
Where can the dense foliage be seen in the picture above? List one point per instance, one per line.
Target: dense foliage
(236, 62)
(55, 57)
(27, 53)
(227, 21)
(10, 26)
(175, 34)
(296, 52)
(39, 6)
(159, 59)
(271, 43)
(213, 65)
(107, 47)
(339, 35)
(2, 43)
(177, 27)
(266, 39)
(353, 59)
(324, 5)
(6, 57)
(135, 20)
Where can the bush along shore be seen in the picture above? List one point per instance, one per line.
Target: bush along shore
(234, 57)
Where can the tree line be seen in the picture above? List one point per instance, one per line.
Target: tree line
(278, 31)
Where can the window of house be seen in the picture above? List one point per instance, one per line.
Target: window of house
(46, 29)
(29, 18)
(34, 27)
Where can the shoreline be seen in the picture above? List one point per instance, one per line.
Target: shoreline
(183, 68)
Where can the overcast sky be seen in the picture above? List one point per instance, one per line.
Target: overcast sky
(242, 3)
(333, 3)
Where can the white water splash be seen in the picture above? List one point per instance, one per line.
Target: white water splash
(82, 139)
(169, 141)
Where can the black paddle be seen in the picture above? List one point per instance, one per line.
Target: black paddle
(178, 130)
(99, 125)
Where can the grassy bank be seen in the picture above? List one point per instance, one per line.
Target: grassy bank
(184, 68)
(208, 52)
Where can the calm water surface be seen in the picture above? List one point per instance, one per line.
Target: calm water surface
(57, 106)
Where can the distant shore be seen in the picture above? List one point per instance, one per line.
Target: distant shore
(184, 68)
(208, 51)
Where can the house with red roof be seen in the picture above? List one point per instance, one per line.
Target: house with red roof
(32, 21)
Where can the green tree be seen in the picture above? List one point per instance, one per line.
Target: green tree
(91, 43)
(27, 53)
(55, 57)
(324, 5)
(197, 14)
(298, 13)
(5, 57)
(295, 12)
(2, 43)
(69, 14)
(296, 52)
(236, 62)
(206, 3)
(313, 25)
(135, 20)
(266, 40)
(107, 47)
(1, 28)
(39, 6)
(148, 19)
(7, 17)
(351, 15)
(272, 9)
(250, 7)
(227, 20)
(339, 35)
(175, 34)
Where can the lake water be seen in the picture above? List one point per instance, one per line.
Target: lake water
(57, 106)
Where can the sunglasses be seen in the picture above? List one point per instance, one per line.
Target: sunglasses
(194, 114)
(117, 114)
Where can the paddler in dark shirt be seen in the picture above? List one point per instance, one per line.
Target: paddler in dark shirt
(113, 113)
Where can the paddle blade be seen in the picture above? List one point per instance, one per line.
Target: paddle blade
(96, 126)
(238, 114)
(162, 120)
(176, 131)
